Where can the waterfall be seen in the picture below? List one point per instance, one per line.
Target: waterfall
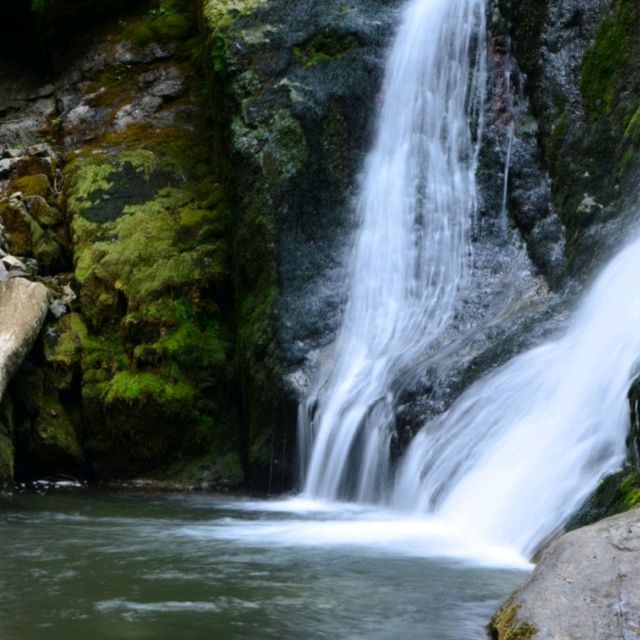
(521, 449)
(411, 253)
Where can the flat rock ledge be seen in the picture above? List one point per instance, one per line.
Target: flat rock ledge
(23, 309)
(585, 587)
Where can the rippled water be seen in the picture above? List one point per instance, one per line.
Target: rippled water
(93, 565)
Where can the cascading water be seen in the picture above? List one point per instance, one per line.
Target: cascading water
(410, 258)
(521, 449)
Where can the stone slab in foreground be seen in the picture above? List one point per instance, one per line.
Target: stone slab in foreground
(23, 308)
(585, 587)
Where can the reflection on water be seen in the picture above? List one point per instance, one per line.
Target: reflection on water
(81, 564)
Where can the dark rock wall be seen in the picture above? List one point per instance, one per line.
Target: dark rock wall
(295, 89)
(580, 62)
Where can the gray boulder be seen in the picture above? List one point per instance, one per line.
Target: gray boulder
(585, 587)
(23, 308)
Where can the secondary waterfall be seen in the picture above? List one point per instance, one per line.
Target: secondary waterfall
(521, 449)
(412, 249)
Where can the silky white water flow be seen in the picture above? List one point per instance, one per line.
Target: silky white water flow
(521, 449)
(412, 248)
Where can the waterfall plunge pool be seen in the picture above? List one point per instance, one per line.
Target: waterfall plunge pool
(100, 565)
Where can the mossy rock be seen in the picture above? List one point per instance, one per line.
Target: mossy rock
(616, 493)
(606, 66)
(214, 470)
(64, 341)
(324, 47)
(221, 13)
(6, 459)
(143, 417)
(165, 21)
(18, 227)
(34, 165)
(45, 432)
(27, 238)
(150, 230)
(44, 214)
(32, 185)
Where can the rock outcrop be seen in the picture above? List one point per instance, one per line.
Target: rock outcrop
(585, 587)
(23, 308)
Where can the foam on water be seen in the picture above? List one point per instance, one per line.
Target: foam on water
(370, 530)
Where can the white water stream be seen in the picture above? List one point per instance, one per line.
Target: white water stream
(411, 254)
(522, 448)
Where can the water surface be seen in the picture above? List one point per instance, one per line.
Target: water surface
(83, 564)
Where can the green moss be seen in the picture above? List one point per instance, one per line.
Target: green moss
(323, 48)
(88, 180)
(144, 387)
(616, 493)
(6, 459)
(154, 249)
(280, 147)
(505, 626)
(54, 437)
(163, 22)
(191, 344)
(219, 58)
(604, 65)
(43, 213)
(32, 185)
(64, 342)
(221, 14)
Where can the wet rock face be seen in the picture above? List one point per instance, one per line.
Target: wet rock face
(578, 60)
(511, 150)
(295, 89)
(585, 586)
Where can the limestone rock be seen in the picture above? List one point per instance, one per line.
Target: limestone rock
(584, 587)
(23, 308)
